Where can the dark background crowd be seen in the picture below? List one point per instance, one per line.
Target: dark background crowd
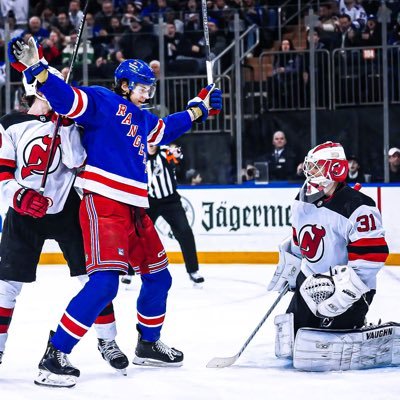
(121, 29)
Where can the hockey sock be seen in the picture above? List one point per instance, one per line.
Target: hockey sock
(152, 304)
(84, 308)
(105, 323)
(9, 290)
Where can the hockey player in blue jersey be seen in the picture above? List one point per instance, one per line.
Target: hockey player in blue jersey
(115, 227)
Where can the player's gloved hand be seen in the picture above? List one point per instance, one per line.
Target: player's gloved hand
(29, 202)
(207, 102)
(27, 58)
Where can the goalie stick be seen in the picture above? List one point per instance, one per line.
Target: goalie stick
(210, 78)
(222, 362)
(59, 117)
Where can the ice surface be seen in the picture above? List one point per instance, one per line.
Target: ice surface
(203, 323)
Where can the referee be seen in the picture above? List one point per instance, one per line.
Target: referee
(165, 201)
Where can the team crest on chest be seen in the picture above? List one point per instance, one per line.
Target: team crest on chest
(311, 242)
(35, 156)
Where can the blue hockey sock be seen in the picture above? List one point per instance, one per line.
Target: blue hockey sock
(152, 304)
(84, 308)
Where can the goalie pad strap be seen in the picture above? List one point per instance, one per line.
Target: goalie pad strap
(341, 350)
(284, 338)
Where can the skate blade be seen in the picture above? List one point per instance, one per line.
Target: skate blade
(148, 362)
(47, 378)
(121, 371)
(198, 285)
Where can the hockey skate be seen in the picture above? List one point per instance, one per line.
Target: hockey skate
(55, 370)
(1, 356)
(156, 354)
(196, 277)
(113, 355)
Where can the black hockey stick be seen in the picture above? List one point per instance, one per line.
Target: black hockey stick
(210, 78)
(222, 362)
(59, 117)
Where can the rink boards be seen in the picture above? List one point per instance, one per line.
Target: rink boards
(246, 224)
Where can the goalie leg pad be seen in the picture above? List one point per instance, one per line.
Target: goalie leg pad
(341, 350)
(284, 335)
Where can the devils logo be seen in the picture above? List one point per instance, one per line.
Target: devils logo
(35, 156)
(311, 240)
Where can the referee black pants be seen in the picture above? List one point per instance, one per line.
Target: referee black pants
(171, 209)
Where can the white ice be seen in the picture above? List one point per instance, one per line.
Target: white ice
(213, 321)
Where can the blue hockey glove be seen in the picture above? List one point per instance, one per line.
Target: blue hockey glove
(208, 101)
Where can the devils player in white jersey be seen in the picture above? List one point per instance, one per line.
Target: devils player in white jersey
(331, 263)
(33, 218)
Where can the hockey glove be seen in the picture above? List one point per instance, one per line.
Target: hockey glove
(207, 102)
(287, 269)
(29, 202)
(330, 296)
(27, 58)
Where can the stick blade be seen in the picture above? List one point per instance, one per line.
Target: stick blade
(222, 362)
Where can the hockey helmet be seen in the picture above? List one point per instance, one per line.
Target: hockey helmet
(136, 72)
(324, 165)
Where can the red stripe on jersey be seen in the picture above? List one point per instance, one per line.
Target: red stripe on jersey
(79, 106)
(113, 184)
(4, 328)
(375, 257)
(150, 321)
(105, 319)
(157, 132)
(5, 176)
(294, 236)
(4, 162)
(6, 312)
(366, 242)
(72, 326)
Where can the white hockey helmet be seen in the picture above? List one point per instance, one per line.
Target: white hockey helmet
(31, 88)
(324, 165)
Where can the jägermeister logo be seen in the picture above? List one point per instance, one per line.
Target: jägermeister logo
(223, 215)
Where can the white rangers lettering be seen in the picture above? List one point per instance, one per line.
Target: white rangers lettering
(121, 109)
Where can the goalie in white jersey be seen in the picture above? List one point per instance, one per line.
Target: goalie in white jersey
(32, 218)
(331, 263)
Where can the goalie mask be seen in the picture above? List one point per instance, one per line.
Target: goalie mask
(31, 88)
(324, 165)
(138, 74)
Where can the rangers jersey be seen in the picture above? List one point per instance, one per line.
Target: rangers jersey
(344, 229)
(115, 138)
(24, 147)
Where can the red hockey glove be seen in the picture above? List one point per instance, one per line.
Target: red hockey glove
(29, 202)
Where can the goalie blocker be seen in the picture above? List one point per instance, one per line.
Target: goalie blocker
(341, 350)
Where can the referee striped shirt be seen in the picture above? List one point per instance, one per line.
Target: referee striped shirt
(161, 175)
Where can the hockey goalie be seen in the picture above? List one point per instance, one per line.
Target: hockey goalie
(331, 264)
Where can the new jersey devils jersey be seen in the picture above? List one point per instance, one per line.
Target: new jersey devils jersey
(345, 229)
(24, 148)
(115, 138)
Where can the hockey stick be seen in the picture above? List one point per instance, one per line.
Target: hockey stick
(207, 42)
(222, 362)
(59, 117)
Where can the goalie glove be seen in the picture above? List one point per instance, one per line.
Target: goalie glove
(27, 58)
(207, 102)
(330, 296)
(287, 269)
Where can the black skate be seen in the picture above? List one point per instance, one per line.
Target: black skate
(127, 279)
(113, 355)
(156, 354)
(55, 370)
(1, 356)
(196, 277)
